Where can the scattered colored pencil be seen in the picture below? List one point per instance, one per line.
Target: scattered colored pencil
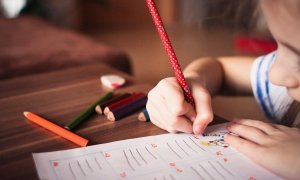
(144, 116)
(127, 109)
(100, 108)
(88, 112)
(168, 47)
(56, 129)
(122, 102)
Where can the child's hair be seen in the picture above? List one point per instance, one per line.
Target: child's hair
(243, 15)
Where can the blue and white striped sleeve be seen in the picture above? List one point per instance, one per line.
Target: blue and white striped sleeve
(273, 100)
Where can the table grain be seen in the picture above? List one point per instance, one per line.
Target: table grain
(59, 96)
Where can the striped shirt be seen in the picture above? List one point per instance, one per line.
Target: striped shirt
(274, 100)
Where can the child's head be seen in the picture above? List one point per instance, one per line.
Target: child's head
(283, 18)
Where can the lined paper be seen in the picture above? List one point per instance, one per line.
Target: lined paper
(165, 157)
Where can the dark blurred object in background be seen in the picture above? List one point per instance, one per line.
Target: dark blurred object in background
(238, 15)
(64, 13)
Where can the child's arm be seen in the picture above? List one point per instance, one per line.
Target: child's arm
(223, 75)
(206, 77)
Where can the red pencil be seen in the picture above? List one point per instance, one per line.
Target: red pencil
(127, 108)
(100, 108)
(121, 102)
(171, 54)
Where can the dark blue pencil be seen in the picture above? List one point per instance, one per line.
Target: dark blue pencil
(127, 109)
(144, 116)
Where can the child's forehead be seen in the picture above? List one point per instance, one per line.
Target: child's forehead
(282, 8)
(283, 19)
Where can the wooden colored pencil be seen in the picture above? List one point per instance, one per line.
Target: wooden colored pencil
(100, 107)
(144, 116)
(170, 51)
(127, 109)
(56, 129)
(88, 112)
(121, 102)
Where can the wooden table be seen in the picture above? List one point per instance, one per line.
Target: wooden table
(58, 96)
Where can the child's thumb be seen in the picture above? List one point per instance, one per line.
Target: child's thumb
(204, 111)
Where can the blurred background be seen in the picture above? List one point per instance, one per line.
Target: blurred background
(197, 28)
(44, 35)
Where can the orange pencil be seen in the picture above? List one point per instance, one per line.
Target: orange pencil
(56, 129)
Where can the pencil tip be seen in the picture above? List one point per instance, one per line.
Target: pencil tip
(110, 116)
(25, 113)
(98, 110)
(141, 117)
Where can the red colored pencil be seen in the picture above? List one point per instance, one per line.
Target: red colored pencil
(121, 102)
(127, 108)
(100, 108)
(171, 54)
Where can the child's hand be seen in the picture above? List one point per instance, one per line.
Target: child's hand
(168, 109)
(274, 147)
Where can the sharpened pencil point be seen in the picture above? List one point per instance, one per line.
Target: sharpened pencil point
(111, 117)
(98, 109)
(25, 113)
(141, 117)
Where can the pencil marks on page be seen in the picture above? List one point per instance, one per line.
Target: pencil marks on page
(199, 174)
(71, 170)
(212, 169)
(79, 165)
(98, 164)
(197, 144)
(225, 169)
(164, 177)
(127, 160)
(181, 148)
(172, 177)
(138, 163)
(141, 156)
(173, 151)
(88, 164)
(203, 169)
(189, 146)
(150, 153)
(216, 169)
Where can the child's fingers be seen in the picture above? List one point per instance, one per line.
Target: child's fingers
(265, 127)
(180, 124)
(203, 108)
(183, 109)
(163, 118)
(173, 97)
(244, 146)
(248, 132)
(175, 122)
(155, 116)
